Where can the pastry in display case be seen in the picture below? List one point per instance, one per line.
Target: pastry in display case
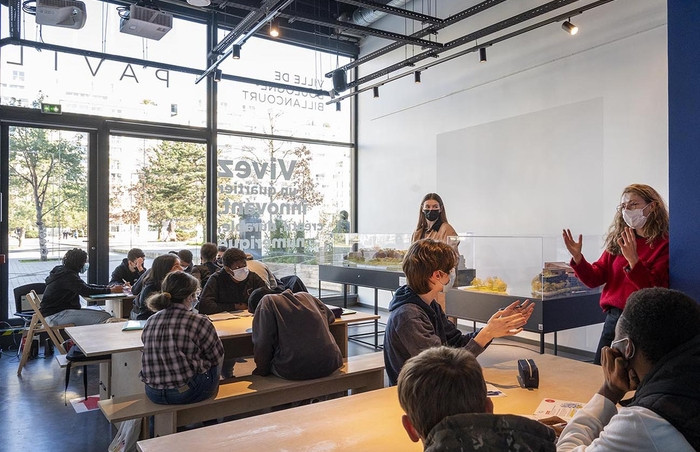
(556, 279)
(510, 268)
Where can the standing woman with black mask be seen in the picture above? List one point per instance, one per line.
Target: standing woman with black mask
(432, 220)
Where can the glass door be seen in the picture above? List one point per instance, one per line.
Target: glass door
(47, 202)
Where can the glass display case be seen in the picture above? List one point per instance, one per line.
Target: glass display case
(510, 268)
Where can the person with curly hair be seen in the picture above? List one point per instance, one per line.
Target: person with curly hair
(635, 255)
(60, 304)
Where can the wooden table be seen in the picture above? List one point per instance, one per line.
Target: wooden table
(113, 303)
(125, 347)
(372, 421)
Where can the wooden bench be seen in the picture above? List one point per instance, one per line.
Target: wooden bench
(249, 393)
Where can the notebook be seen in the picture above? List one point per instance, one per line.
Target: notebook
(134, 325)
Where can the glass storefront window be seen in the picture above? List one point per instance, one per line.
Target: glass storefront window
(97, 87)
(47, 203)
(253, 108)
(281, 201)
(157, 197)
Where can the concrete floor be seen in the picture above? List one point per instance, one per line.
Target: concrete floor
(36, 419)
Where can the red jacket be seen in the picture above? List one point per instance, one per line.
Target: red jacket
(650, 271)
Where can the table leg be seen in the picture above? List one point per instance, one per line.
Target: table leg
(541, 343)
(376, 322)
(125, 374)
(555, 342)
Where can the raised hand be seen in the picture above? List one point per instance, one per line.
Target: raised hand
(628, 246)
(572, 245)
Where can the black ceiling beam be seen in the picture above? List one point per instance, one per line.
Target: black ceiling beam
(395, 11)
(511, 21)
(298, 16)
(474, 48)
(483, 6)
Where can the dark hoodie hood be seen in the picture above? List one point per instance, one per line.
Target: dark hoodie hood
(490, 433)
(405, 295)
(58, 272)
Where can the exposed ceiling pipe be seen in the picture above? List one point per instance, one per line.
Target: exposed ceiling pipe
(367, 16)
(469, 12)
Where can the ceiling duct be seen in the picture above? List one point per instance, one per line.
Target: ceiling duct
(367, 16)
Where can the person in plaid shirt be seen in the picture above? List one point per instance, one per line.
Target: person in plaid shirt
(182, 353)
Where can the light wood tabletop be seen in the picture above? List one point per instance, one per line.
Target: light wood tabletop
(372, 421)
(121, 378)
(108, 338)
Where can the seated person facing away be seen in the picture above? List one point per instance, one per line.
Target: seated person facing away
(417, 322)
(182, 353)
(131, 268)
(207, 255)
(262, 270)
(220, 250)
(229, 288)
(291, 338)
(162, 265)
(60, 304)
(656, 352)
(443, 392)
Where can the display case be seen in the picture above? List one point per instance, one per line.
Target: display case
(374, 260)
(510, 268)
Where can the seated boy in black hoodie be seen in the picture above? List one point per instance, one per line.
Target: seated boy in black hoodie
(443, 392)
(417, 322)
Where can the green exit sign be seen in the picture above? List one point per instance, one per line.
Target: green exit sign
(52, 109)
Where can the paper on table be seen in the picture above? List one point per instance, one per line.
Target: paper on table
(134, 325)
(221, 316)
(563, 408)
(492, 391)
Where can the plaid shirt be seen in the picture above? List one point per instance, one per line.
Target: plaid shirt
(177, 345)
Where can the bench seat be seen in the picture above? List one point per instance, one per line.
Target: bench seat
(249, 393)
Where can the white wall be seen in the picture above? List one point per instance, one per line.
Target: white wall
(468, 128)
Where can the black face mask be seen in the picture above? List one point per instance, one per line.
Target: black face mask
(431, 215)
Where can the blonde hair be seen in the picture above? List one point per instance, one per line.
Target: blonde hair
(440, 382)
(656, 226)
(423, 258)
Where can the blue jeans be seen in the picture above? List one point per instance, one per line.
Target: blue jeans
(608, 334)
(200, 387)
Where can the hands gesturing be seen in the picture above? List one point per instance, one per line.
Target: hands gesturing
(573, 246)
(506, 322)
(628, 246)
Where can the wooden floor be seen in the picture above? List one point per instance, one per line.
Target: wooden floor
(34, 417)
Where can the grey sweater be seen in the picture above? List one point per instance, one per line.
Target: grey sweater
(291, 337)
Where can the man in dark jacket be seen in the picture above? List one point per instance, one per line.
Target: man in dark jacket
(656, 353)
(207, 255)
(131, 268)
(417, 322)
(229, 288)
(291, 335)
(60, 303)
(443, 392)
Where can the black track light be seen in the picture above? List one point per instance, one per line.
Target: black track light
(217, 75)
(375, 90)
(236, 52)
(482, 55)
(337, 106)
(569, 27)
(416, 76)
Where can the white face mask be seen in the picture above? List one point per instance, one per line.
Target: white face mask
(449, 285)
(634, 218)
(240, 274)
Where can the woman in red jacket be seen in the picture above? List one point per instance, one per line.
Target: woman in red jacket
(635, 256)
